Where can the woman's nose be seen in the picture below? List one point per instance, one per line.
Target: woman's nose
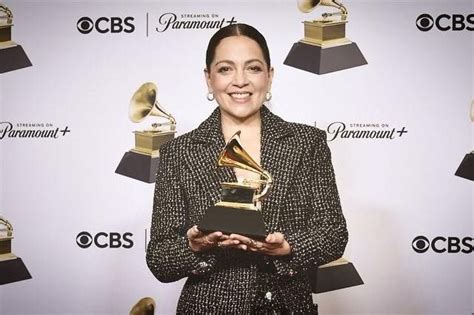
(240, 78)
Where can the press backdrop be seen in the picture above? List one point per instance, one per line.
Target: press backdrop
(418, 82)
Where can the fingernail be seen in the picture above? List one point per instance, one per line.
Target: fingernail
(236, 242)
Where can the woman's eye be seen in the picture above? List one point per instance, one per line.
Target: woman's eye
(255, 68)
(223, 69)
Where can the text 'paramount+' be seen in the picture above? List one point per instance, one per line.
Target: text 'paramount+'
(170, 20)
(363, 131)
(26, 130)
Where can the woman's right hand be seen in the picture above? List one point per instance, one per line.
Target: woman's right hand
(199, 242)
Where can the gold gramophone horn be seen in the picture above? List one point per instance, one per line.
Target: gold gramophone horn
(234, 155)
(309, 5)
(144, 103)
(9, 14)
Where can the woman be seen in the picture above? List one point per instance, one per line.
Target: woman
(232, 273)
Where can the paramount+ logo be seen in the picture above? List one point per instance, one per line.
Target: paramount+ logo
(440, 244)
(104, 240)
(445, 22)
(104, 25)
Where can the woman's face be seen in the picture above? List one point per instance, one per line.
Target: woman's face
(239, 77)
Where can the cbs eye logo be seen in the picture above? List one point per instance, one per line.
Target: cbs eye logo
(440, 244)
(445, 22)
(103, 240)
(86, 25)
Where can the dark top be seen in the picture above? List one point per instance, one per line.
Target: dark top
(303, 204)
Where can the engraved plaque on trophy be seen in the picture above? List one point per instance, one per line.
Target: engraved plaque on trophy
(12, 268)
(238, 210)
(141, 162)
(466, 168)
(12, 55)
(324, 47)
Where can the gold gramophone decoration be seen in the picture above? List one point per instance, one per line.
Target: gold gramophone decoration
(141, 162)
(6, 236)
(12, 268)
(238, 210)
(12, 55)
(325, 47)
(466, 168)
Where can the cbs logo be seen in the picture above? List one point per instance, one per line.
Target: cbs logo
(103, 25)
(103, 240)
(445, 22)
(440, 244)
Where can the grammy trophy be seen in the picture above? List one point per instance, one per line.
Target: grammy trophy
(324, 47)
(238, 210)
(12, 55)
(141, 162)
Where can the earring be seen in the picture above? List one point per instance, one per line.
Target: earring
(268, 96)
(210, 96)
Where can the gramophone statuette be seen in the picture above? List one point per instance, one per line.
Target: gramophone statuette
(6, 236)
(325, 47)
(12, 55)
(144, 103)
(238, 210)
(12, 268)
(141, 162)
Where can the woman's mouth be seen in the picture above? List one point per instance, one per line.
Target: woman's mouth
(240, 96)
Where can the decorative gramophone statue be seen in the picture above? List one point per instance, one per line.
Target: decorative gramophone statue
(238, 210)
(324, 47)
(12, 55)
(11, 267)
(142, 161)
(6, 236)
(466, 168)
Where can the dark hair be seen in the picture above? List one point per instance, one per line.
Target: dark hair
(236, 30)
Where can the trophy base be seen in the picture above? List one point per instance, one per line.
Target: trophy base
(138, 166)
(321, 60)
(466, 169)
(13, 58)
(13, 270)
(334, 277)
(232, 220)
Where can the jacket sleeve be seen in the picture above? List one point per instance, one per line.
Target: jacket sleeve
(169, 256)
(326, 236)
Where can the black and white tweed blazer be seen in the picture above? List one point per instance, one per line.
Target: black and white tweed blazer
(303, 204)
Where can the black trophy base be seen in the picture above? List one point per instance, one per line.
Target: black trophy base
(466, 169)
(13, 270)
(334, 278)
(320, 60)
(13, 58)
(138, 166)
(231, 220)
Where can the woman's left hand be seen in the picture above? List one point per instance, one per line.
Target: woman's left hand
(273, 245)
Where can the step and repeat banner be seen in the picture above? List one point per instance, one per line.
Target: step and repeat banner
(398, 128)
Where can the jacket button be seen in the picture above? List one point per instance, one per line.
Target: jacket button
(203, 264)
(268, 296)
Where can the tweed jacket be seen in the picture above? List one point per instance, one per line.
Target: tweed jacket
(303, 204)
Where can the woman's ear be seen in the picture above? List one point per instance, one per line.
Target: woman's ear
(207, 77)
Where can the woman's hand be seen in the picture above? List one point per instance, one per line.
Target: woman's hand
(274, 244)
(199, 241)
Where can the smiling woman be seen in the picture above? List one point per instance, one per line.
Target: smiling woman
(233, 274)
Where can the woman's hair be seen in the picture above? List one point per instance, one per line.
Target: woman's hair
(236, 30)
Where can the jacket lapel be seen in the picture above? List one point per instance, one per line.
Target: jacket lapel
(207, 142)
(281, 153)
